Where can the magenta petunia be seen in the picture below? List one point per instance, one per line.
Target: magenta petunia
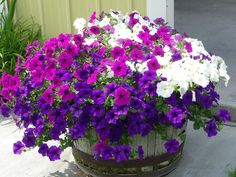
(158, 51)
(50, 74)
(93, 78)
(48, 96)
(136, 54)
(117, 52)
(153, 64)
(72, 49)
(10, 82)
(56, 82)
(92, 17)
(94, 30)
(65, 93)
(51, 64)
(119, 69)
(38, 75)
(65, 60)
(78, 38)
(35, 63)
(188, 47)
(6, 94)
(122, 96)
(76, 73)
(144, 36)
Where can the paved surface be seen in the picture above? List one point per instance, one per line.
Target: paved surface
(203, 156)
(213, 22)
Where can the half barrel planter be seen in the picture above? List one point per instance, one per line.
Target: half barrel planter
(157, 162)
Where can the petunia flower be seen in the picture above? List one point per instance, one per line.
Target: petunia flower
(122, 96)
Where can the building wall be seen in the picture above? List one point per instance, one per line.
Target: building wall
(57, 16)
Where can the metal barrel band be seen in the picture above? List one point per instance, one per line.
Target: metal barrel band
(156, 173)
(136, 163)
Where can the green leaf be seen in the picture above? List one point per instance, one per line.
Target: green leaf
(9, 19)
(220, 127)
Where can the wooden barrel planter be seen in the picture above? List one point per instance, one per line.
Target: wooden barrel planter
(157, 162)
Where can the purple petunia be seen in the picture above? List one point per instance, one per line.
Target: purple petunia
(5, 110)
(43, 149)
(175, 116)
(111, 117)
(211, 128)
(121, 153)
(54, 153)
(206, 101)
(150, 75)
(224, 115)
(29, 140)
(110, 88)
(172, 146)
(188, 98)
(107, 152)
(176, 57)
(98, 96)
(140, 152)
(136, 103)
(18, 147)
(55, 133)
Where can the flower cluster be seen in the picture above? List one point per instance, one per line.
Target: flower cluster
(120, 76)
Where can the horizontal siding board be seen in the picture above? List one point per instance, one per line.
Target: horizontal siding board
(82, 8)
(57, 16)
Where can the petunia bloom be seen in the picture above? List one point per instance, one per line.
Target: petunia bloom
(65, 93)
(172, 146)
(119, 69)
(54, 153)
(18, 147)
(122, 96)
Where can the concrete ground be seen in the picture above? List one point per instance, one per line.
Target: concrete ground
(203, 156)
(213, 22)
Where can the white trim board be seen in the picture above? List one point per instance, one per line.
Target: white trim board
(161, 8)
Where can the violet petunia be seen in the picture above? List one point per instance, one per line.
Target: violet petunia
(54, 153)
(18, 147)
(172, 146)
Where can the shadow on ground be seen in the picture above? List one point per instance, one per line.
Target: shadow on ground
(71, 171)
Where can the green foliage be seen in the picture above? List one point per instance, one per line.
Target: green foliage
(15, 35)
(161, 105)
(232, 173)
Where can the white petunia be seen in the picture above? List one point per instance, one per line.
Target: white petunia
(131, 65)
(90, 40)
(164, 89)
(79, 24)
(141, 67)
(105, 21)
(110, 73)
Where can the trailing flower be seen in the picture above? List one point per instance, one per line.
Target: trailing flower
(120, 76)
